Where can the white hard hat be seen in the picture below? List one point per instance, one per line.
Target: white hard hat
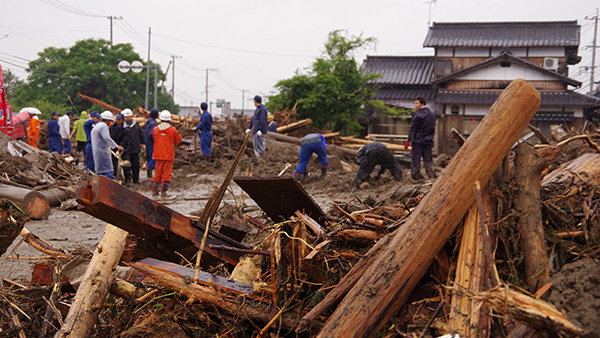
(31, 110)
(165, 115)
(127, 112)
(107, 115)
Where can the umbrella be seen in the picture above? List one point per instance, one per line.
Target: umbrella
(31, 110)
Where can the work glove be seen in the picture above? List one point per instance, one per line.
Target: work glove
(193, 129)
(259, 133)
(406, 144)
(247, 131)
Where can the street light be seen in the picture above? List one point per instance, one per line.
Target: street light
(136, 67)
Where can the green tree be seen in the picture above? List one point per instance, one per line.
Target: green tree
(89, 67)
(11, 82)
(334, 90)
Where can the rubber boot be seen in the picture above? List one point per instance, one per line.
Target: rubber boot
(165, 187)
(154, 189)
(149, 173)
(416, 174)
(323, 172)
(357, 183)
(430, 170)
(298, 177)
(128, 181)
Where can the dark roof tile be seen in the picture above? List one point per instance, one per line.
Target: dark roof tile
(407, 70)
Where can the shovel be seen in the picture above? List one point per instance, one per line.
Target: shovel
(121, 164)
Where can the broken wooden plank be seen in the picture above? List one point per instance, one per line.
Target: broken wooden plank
(389, 281)
(152, 222)
(311, 223)
(279, 197)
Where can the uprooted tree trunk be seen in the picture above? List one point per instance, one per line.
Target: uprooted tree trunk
(387, 283)
(98, 278)
(528, 212)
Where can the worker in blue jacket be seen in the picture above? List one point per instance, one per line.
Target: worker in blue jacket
(205, 128)
(420, 136)
(312, 144)
(149, 140)
(87, 127)
(259, 122)
(272, 127)
(54, 139)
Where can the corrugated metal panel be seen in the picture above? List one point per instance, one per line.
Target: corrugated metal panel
(503, 34)
(407, 70)
(568, 98)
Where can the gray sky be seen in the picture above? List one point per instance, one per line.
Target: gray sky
(254, 44)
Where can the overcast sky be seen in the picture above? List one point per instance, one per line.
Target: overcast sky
(254, 44)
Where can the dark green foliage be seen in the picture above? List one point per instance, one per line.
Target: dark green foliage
(334, 90)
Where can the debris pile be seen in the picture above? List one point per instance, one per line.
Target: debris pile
(478, 255)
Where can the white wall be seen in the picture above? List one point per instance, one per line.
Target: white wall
(444, 51)
(546, 52)
(472, 52)
(515, 71)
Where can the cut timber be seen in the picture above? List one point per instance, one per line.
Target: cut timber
(104, 105)
(584, 169)
(199, 293)
(389, 281)
(32, 202)
(330, 147)
(12, 221)
(283, 198)
(391, 146)
(528, 211)
(466, 317)
(98, 278)
(152, 222)
(293, 126)
(536, 313)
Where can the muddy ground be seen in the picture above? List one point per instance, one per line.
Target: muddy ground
(575, 289)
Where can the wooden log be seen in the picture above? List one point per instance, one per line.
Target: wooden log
(12, 221)
(330, 147)
(528, 211)
(32, 202)
(391, 146)
(56, 196)
(293, 126)
(389, 281)
(97, 280)
(584, 169)
(466, 317)
(102, 104)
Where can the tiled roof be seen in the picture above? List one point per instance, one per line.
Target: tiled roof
(504, 34)
(568, 98)
(508, 58)
(406, 70)
(396, 93)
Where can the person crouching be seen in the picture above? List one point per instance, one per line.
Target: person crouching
(311, 143)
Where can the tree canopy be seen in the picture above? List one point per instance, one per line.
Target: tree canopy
(89, 67)
(334, 88)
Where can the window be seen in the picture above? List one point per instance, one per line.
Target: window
(444, 67)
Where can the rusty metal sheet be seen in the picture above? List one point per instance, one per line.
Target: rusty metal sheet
(279, 197)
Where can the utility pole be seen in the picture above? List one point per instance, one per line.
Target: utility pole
(148, 70)
(155, 85)
(243, 99)
(173, 76)
(206, 88)
(594, 46)
(111, 26)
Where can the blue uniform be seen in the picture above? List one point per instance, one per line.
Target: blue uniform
(54, 139)
(89, 155)
(272, 127)
(149, 140)
(420, 136)
(312, 143)
(259, 122)
(206, 135)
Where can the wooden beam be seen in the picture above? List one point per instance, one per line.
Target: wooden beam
(294, 125)
(390, 280)
(151, 221)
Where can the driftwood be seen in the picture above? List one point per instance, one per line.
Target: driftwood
(584, 169)
(97, 280)
(389, 281)
(41, 245)
(293, 126)
(32, 202)
(528, 211)
(330, 147)
(358, 141)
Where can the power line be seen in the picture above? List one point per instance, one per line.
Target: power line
(41, 72)
(68, 8)
(233, 49)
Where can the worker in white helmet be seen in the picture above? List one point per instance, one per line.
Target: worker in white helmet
(101, 145)
(166, 138)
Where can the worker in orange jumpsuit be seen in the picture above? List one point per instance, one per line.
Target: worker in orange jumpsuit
(33, 131)
(166, 138)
